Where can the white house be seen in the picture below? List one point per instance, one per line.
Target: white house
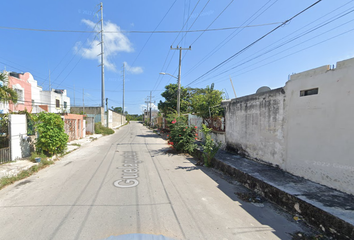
(56, 100)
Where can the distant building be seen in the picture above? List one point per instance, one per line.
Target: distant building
(56, 101)
(32, 97)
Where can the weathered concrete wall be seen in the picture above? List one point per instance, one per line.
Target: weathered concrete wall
(117, 120)
(320, 128)
(96, 112)
(255, 126)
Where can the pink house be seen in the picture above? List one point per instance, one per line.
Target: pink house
(74, 126)
(19, 82)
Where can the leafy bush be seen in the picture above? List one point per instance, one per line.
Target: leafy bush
(52, 138)
(99, 129)
(210, 148)
(181, 136)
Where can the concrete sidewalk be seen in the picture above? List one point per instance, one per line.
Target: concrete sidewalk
(11, 169)
(327, 209)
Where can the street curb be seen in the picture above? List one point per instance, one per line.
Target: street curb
(316, 217)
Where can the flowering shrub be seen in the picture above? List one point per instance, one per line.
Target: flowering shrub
(210, 148)
(181, 137)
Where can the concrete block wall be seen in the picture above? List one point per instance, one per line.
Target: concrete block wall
(305, 128)
(255, 126)
(320, 129)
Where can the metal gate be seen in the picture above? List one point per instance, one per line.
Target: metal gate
(5, 153)
(70, 128)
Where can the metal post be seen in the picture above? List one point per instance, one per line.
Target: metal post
(83, 101)
(107, 111)
(123, 89)
(233, 87)
(102, 58)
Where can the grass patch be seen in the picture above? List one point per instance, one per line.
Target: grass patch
(34, 155)
(76, 144)
(26, 173)
(99, 129)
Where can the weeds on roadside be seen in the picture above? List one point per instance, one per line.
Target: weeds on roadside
(210, 148)
(26, 173)
(99, 129)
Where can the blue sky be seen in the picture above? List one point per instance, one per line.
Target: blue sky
(322, 35)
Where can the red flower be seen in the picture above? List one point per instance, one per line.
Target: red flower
(168, 135)
(195, 127)
(196, 134)
(174, 121)
(186, 127)
(179, 135)
(171, 143)
(195, 138)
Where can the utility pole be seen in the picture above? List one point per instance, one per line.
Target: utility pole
(123, 90)
(179, 76)
(150, 106)
(50, 86)
(102, 58)
(107, 111)
(147, 106)
(83, 101)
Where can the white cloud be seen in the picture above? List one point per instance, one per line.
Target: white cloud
(153, 107)
(133, 70)
(114, 42)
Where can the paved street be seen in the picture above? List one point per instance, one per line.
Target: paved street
(128, 183)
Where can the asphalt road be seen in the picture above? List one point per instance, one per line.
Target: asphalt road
(128, 183)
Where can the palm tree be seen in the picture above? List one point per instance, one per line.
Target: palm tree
(6, 93)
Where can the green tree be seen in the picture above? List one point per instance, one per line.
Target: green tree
(52, 138)
(170, 104)
(117, 109)
(6, 93)
(206, 102)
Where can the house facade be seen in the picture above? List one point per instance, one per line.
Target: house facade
(20, 83)
(56, 100)
(32, 98)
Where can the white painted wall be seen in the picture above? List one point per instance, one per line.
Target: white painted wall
(254, 126)
(36, 94)
(18, 139)
(320, 128)
(49, 98)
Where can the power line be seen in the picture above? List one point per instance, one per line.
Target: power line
(194, 22)
(338, 35)
(154, 32)
(243, 62)
(212, 22)
(253, 43)
(231, 35)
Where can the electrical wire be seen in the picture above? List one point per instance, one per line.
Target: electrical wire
(231, 36)
(318, 43)
(253, 43)
(243, 62)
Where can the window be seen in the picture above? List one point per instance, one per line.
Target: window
(309, 92)
(65, 105)
(19, 94)
(57, 103)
